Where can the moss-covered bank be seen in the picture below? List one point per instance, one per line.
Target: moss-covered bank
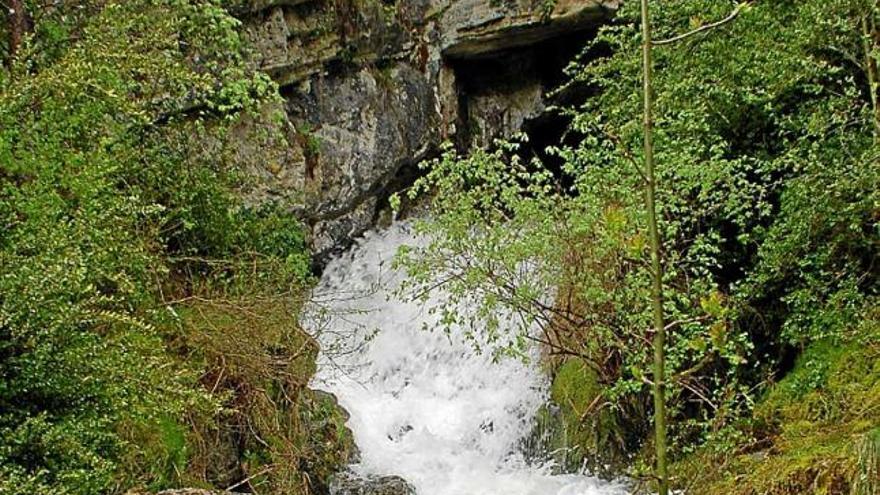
(581, 429)
(261, 428)
(816, 431)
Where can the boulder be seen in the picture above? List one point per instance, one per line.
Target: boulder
(194, 491)
(348, 483)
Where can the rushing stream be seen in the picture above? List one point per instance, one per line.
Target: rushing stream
(423, 404)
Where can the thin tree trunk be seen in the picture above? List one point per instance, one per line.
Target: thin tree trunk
(656, 267)
(868, 36)
(16, 25)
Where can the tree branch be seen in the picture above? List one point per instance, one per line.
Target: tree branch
(706, 27)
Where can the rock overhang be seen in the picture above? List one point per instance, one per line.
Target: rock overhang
(371, 88)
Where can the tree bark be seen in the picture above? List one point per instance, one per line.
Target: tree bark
(16, 26)
(869, 37)
(659, 341)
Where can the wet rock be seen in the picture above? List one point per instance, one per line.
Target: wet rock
(474, 28)
(194, 491)
(576, 436)
(400, 433)
(373, 88)
(348, 483)
(330, 424)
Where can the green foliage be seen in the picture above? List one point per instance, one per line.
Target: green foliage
(105, 198)
(767, 193)
(311, 143)
(813, 432)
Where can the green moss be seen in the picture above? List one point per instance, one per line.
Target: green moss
(579, 430)
(816, 431)
(575, 385)
(174, 442)
(160, 459)
(331, 442)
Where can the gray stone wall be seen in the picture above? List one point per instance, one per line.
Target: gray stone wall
(372, 87)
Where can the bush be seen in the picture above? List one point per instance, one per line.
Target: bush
(767, 193)
(813, 432)
(114, 210)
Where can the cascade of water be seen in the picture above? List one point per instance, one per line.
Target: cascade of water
(423, 404)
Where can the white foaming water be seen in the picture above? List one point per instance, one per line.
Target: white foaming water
(423, 404)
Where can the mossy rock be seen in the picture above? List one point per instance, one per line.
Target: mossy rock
(330, 442)
(575, 429)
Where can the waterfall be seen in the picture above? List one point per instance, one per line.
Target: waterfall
(424, 405)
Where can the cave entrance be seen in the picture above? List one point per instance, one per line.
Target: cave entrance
(517, 90)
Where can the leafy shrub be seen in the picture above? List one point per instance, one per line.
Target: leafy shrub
(767, 170)
(107, 194)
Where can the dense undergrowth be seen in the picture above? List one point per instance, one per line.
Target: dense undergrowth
(768, 181)
(148, 318)
(148, 334)
(815, 431)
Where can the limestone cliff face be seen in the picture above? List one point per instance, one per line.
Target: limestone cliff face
(372, 87)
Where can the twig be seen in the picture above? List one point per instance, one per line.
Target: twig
(676, 323)
(591, 407)
(258, 473)
(626, 152)
(707, 359)
(699, 394)
(706, 27)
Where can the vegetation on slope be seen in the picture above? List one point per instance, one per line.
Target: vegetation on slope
(815, 431)
(768, 169)
(148, 319)
(148, 332)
